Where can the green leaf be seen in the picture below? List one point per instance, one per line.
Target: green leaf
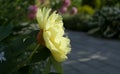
(5, 31)
(30, 69)
(35, 71)
(15, 51)
(54, 73)
(24, 70)
(47, 68)
(109, 33)
(56, 65)
(42, 54)
(14, 54)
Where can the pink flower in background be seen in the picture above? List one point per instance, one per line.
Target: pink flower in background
(31, 16)
(66, 3)
(63, 10)
(32, 9)
(74, 10)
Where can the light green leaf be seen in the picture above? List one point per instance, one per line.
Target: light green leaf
(47, 68)
(56, 65)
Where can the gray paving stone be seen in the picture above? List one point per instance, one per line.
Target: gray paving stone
(86, 69)
(110, 70)
(92, 55)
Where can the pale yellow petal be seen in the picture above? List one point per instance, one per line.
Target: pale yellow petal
(53, 32)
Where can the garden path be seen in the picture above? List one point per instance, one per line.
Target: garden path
(91, 55)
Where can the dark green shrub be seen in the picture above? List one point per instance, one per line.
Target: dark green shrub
(108, 21)
(78, 22)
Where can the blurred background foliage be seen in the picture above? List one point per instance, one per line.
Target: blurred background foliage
(76, 13)
(18, 39)
(18, 26)
(106, 12)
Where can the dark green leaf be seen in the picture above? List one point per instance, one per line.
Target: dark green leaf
(54, 73)
(15, 53)
(42, 54)
(5, 31)
(24, 70)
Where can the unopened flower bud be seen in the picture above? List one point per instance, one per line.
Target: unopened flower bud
(31, 16)
(74, 10)
(32, 8)
(66, 3)
(63, 10)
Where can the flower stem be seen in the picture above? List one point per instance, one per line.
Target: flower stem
(33, 53)
(26, 61)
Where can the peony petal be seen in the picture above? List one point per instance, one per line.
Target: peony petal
(53, 33)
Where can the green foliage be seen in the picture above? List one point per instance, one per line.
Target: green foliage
(110, 2)
(20, 52)
(47, 68)
(92, 3)
(55, 4)
(56, 65)
(11, 10)
(15, 49)
(104, 21)
(19, 49)
(78, 22)
(76, 3)
(5, 31)
(108, 22)
(23, 55)
(87, 9)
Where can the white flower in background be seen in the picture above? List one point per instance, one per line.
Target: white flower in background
(2, 58)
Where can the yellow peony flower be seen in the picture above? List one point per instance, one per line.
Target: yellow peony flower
(53, 31)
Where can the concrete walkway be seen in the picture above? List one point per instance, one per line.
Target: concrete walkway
(92, 55)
